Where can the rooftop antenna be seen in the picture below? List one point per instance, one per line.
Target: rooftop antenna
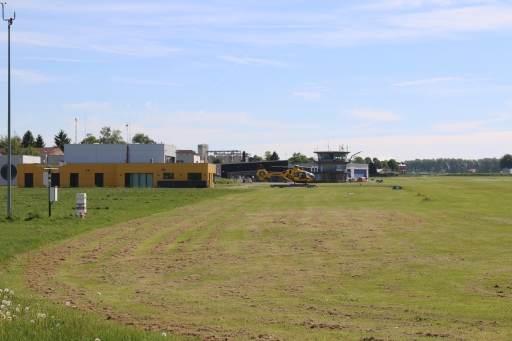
(76, 127)
(85, 123)
(127, 138)
(9, 179)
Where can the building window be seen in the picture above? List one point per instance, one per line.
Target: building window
(141, 180)
(168, 175)
(194, 176)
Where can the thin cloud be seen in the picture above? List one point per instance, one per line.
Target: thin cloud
(28, 77)
(68, 60)
(374, 116)
(308, 96)
(461, 126)
(128, 80)
(138, 50)
(252, 61)
(477, 18)
(87, 105)
(439, 80)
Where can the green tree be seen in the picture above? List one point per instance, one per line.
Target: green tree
(367, 160)
(393, 165)
(372, 169)
(39, 141)
(31, 151)
(257, 158)
(142, 139)
(358, 159)
(61, 139)
(16, 148)
(506, 161)
(217, 160)
(274, 157)
(90, 139)
(298, 158)
(28, 140)
(268, 155)
(109, 136)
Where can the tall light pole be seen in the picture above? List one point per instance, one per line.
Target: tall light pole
(9, 23)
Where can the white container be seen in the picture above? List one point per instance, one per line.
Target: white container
(81, 204)
(54, 194)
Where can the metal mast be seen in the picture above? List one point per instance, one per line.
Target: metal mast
(9, 23)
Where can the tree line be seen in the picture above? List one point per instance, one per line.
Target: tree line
(27, 144)
(453, 166)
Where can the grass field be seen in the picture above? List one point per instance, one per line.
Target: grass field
(341, 262)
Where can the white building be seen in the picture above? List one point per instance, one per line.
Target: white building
(357, 170)
(187, 156)
(119, 153)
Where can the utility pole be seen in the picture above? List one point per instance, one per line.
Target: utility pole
(9, 23)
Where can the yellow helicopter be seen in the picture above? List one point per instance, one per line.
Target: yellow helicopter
(294, 175)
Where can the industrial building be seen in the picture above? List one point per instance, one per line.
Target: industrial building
(119, 165)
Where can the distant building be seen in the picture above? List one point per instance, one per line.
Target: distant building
(202, 150)
(332, 165)
(226, 156)
(234, 170)
(119, 153)
(357, 170)
(119, 165)
(187, 156)
(402, 168)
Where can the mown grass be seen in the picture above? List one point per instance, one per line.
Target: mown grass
(311, 264)
(29, 228)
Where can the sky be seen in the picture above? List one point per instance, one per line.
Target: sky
(402, 79)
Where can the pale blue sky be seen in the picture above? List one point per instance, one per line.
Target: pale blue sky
(393, 79)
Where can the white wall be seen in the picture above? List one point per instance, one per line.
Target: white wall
(187, 158)
(117, 153)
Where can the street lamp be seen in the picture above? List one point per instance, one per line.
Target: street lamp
(9, 23)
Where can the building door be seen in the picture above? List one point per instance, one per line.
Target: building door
(360, 173)
(73, 180)
(29, 180)
(98, 179)
(55, 179)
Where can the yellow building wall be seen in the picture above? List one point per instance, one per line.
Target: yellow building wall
(114, 174)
